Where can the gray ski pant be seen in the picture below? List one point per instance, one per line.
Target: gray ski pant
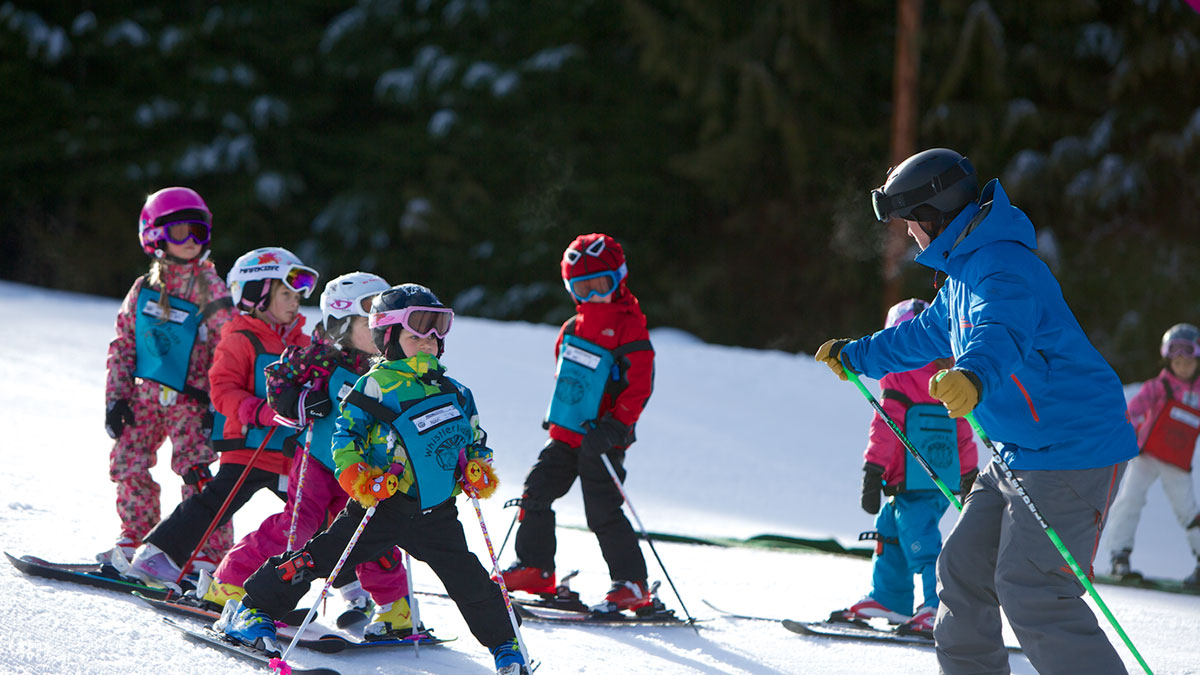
(998, 556)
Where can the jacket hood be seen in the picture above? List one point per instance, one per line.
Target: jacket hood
(991, 219)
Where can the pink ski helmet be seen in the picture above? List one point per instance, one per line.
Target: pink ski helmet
(904, 310)
(168, 206)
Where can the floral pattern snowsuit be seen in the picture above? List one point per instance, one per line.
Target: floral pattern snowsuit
(160, 414)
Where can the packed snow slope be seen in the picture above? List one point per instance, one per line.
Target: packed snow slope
(734, 443)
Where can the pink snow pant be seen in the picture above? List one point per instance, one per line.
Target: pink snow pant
(321, 498)
(138, 495)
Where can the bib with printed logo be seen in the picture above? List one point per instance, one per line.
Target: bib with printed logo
(584, 370)
(164, 339)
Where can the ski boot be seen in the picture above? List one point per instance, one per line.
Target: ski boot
(631, 595)
(358, 605)
(921, 623)
(1121, 568)
(120, 554)
(153, 566)
(249, 626)
(1193, 579)
(509, 660)
(864, 610)
(392, 620)
(532, 580)
(211, 594)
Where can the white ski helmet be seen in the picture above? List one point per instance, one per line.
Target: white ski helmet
(247, 279)
(1182, 339)
(346, 296)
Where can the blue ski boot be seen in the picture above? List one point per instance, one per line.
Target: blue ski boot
(509, 660)
(250, 626)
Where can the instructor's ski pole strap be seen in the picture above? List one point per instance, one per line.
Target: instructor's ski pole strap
(1055, 539)
(853, 377)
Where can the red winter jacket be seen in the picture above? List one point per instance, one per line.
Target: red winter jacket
(1148, 405)
(611, 325)
(232, 375)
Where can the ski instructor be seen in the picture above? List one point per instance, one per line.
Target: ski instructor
(1042, 392)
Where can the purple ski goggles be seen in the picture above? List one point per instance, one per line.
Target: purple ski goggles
(180, 232)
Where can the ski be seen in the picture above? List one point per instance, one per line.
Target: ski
(329, 643)
(662, 617)
(861, 632)
(735, 615)
(208, 636)
(185, 606)
(98, 575)
(1136, 580)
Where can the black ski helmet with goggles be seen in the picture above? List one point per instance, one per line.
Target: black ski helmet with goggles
(930, 186)
(388, 316)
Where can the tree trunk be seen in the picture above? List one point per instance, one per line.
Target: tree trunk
(904, 135)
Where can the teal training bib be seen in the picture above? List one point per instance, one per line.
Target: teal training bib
(434, 431)
(255, 434)
(584, 370)
(164, 343)
(935, 436)
(339, 384)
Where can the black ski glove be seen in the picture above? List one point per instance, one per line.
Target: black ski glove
(117, 416)
(872, 487)
(317, 403)
(606, 434)
(968, 481)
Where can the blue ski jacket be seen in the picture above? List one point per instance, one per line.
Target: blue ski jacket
(1048, 398)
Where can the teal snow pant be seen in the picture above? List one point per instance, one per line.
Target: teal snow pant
(999, 556)
(908, 529)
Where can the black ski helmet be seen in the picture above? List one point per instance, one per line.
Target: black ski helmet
(929, 186)
(397, 298)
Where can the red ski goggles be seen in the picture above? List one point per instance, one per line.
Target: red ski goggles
(180, 232)
(420, 321)
(599, 284)
(1181, 348)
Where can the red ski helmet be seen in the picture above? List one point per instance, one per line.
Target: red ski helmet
(593, 256)
(170, 206)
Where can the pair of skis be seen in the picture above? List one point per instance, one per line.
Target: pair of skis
(859, 631)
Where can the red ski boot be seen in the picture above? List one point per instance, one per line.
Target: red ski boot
(532, 580)
(631, 595)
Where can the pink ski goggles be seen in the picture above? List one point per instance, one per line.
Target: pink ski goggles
(420, 321)
(1181, 348)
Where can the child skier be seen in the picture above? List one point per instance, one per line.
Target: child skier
(605, 376)
(906, 530)
(1038, 387)
(408, 436)
(267, 285)
(307, 385)
(157, 384)
(1166, 412)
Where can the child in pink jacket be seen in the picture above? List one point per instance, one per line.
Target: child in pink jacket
(1166, 413)
(907, 538)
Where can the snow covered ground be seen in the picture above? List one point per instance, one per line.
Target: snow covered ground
(735, 442)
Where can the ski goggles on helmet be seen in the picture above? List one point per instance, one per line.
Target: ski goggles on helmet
(597, 285)
(1175, 348)
(301, 279)
(363, 303)
(901, 204)
(420, 321)
(180, 232)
